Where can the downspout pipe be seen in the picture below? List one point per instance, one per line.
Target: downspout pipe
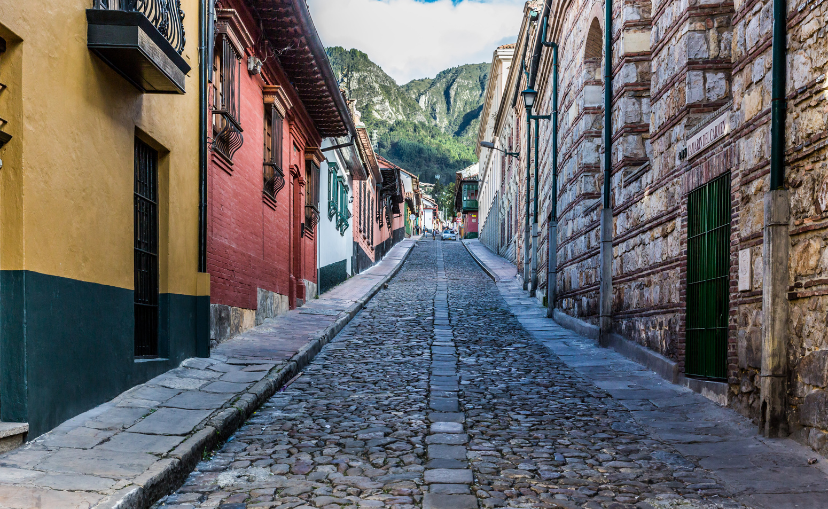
(605, 294)
(202, 332)
(527, 231)
(531, 79)
(203, 14)
(773, 376)
(552, 229)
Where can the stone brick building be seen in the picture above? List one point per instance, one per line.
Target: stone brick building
(705, 255)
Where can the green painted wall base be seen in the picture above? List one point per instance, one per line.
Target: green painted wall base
(333, 274)
(67, 346)
(471, 235)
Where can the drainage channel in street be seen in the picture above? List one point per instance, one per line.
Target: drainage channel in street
(447, 472)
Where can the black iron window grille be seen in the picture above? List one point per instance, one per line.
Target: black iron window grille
(146, 250)
(333, 191)
(274, 178)
(362, 207)
(227, 130)
(388, 210)
(379, 212)
(165, 15)
(370, 220)
(311, 195)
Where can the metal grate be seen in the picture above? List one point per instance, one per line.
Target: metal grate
(146, 250)
(227, 86)
(708, 279)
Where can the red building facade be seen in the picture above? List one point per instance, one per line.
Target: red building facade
(265, 162)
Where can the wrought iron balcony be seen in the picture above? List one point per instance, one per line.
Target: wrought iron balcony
(311, 217)
(274, 179)
(142, 40)
(229, 138)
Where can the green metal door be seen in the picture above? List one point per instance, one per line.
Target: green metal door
(708, 279)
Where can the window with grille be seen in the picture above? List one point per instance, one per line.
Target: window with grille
(273, 176)
(708, 279)
(227, 131)
(362, 207)
(146, 250)
(370, 220)
(333, 191)
(311, 195)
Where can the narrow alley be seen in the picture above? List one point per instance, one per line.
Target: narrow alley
(436, 396)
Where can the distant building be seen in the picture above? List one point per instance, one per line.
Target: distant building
(466, 189)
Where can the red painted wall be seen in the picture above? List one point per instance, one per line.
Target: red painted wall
(360, 235)
(470, 222)
(249, 238)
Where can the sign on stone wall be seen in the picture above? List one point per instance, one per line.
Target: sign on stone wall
(744, 270)
(708, 134)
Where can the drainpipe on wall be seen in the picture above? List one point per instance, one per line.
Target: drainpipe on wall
(527, 231)
(534, 284)
(605, 320)
(530, 84)
(203, 307)
(776, 245)
(552, 257)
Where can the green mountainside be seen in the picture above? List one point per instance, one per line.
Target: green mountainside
(428, 126)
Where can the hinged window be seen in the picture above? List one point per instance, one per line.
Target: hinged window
(311, 195)
(333, 191)
(227, 130)
(274, 177)
(146, 250)
(344, 214)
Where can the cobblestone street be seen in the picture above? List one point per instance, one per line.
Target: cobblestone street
(435, 396)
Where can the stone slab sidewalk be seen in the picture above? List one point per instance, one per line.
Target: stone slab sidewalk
(760, 472)
(134, 449)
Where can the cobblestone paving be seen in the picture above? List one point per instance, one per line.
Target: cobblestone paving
(412, 406)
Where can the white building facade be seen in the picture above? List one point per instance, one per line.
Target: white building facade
(335, 246)
(492, 162)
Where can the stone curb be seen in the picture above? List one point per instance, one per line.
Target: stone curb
(170, 473)
(483, 266)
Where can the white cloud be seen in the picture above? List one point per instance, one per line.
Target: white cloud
(411, 39)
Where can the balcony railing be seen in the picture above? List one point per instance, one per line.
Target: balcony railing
(142, 40)
(165, 15)
(229, 138)
(274, 179)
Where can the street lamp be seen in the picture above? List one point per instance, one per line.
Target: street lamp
(489, 145)
(529, 96)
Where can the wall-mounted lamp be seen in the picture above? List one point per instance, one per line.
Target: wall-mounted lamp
(529, 96)
(489, 145)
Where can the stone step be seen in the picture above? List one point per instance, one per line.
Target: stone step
(12, 435)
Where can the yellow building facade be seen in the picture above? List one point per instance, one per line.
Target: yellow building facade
(74, 217)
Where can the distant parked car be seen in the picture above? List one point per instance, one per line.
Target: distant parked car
(449, 235)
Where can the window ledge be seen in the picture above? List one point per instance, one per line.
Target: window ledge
(151, 359)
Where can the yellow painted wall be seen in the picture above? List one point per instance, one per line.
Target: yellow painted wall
(66, 187)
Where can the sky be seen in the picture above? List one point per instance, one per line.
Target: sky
(413, 39)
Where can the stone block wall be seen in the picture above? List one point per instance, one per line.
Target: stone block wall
(807, 182)
(677, 66)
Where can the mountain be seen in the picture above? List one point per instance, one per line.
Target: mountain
(428, 126)
(454, 98)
